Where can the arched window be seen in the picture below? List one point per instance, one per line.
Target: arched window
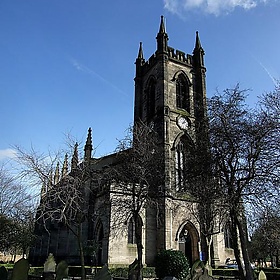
(179, 165)
(182, 93)
(228, 236)
(99, 239)
(151, 99)
(132, 234)
(184, 155)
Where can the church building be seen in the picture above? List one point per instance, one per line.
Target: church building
(170, 98)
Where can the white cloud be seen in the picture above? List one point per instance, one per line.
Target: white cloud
(7, 153)
(210, 6)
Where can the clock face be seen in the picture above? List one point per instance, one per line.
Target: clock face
(183, 123)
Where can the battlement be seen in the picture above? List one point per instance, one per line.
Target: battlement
(172, 54)
(179, 55)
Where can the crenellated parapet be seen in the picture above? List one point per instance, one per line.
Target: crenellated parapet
(175, 55)
(179, 56)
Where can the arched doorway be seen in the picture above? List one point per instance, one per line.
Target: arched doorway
(187, 238)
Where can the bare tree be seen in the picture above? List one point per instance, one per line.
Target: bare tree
(137, 178)
(245, 152)
(16, 204)
(265, 240)
(13, 194)
(63, 198)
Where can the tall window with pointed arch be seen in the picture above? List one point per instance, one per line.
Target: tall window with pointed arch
(131, 234)
(183, 163)
(228, 236)
(151, 99)
(179, 165)
(182, 93)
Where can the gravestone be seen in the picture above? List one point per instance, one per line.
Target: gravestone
(133, 270)
(170, 278)
(49, 268)
(209, 269)
(197, 270)
(262, 275)
(3, 273)
(205, 275)
(20, 270)
(61, 270)
(103, 274)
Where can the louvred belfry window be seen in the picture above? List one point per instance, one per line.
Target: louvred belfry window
(182, 93)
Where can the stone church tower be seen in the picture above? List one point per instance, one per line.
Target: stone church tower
(170, 97)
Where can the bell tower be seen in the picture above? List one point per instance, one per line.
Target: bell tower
(170, 97)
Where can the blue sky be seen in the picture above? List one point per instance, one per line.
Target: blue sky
(67, 65)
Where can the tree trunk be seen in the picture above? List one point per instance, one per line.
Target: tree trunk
(209, 241)
(138, 237)
(235, 242)
(81, 249)
(244, 248)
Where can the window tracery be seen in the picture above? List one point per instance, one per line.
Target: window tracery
(182, 93)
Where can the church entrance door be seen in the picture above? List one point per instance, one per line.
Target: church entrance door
(188, 238)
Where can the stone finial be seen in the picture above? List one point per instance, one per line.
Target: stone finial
(43, 190)
(198, 51)
(56, 174)
(162, 25)
(162, 38)
(140, 52)
(88, 146)
(75, 158)
(65, 166)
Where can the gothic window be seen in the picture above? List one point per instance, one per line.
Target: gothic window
(132, 230)
(227, 236)
(182, 93)
(179, 166)
(99, 240)
(151, 99)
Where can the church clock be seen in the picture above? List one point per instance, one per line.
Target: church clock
(183, 123)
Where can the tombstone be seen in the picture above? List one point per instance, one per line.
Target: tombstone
(61, 270)
(170, 278)
(103, 274)
(133, 270)
(49, 268)
(3, 273)
(205, 275)
(20, 270)
(209, 269)
(262, 275)
(197, 270)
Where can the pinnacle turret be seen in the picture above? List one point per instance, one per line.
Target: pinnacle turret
(65, 166)
(88, 146)
(139, 60)
(43, 190)
(56, 174)
(75, 158)
(162, 26)
(162, 38)
(140, 52)
(198, 51)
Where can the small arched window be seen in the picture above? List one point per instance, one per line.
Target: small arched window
(134, 231)
(182, 93)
